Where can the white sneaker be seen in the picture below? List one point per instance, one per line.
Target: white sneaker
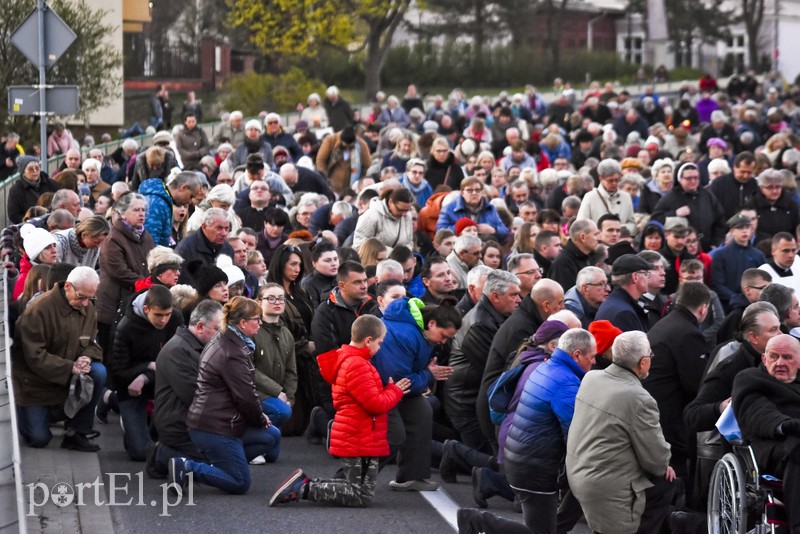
(258, 460)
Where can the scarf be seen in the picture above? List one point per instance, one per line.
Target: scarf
(76, 247)
(247, 341)
(416, 189)
(132, 229)
(355, 163)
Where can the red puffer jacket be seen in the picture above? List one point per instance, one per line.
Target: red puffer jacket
(361, 402)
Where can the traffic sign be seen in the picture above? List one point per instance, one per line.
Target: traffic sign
(58, 35)
(61, 100)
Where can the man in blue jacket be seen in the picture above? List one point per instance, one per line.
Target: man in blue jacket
(537, 440)
(629, 275)
(735, 258)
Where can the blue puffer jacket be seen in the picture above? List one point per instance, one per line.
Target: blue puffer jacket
(537, 439)
(487, 215)
(159, 210)
(405, 353)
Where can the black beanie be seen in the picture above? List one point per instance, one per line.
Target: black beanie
(205, 276)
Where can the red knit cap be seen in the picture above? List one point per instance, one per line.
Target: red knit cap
(604, 334)
(462, 223)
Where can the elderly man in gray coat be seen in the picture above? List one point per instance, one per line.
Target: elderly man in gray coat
(617, 458)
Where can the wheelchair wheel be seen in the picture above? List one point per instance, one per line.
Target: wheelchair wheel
(727, 498)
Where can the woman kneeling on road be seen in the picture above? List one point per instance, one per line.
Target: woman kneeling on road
(225, 419)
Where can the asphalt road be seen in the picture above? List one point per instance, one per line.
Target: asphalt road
(140, 506)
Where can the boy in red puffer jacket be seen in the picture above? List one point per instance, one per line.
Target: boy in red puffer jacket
(358, 434)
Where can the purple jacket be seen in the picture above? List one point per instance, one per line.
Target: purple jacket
(531, 358)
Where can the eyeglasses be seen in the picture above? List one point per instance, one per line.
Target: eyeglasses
(472, 252)
(646, 274)
(274, 300)
(771, 187)
(599, 284)
(273, 122)
(651, 356)
(78, 296)
(257, 319)
(532, 271)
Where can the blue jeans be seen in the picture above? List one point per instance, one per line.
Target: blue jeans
(278, 411)
(227, 467)
(470, 431)
(133, 412)
(34, 421)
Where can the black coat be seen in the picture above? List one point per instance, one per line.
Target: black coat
(330, 328)
(623, 312)
(468, 357)
(448, 173)
(782, 216)
(565, 267)
(309, 181)
(760, 404)
(676, 371)
(318, 287)
(137, 344)
(732, 194)
(24, 194)
(195, 246)
(706, 216)
(176, 382)
(702, 413)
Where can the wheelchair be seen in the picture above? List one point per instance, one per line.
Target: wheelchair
(741, 499)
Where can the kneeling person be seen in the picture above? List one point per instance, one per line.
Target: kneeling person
(358, 435)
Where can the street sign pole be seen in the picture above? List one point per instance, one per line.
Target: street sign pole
(40, 6)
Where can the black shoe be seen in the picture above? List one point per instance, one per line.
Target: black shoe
(78, 442)
(469, 520)
(314, 432)
(447, 467)
(480, 500)
(151, 467)
(101, 410)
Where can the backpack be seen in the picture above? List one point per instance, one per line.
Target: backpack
(502, 391)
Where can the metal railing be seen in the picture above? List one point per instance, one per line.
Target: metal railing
(12, 508)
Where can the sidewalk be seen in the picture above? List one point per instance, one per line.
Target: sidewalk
(51, 466)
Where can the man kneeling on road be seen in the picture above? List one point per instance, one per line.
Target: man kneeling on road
(54, 342)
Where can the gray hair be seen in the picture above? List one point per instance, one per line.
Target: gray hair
(633, 178)
(581, 226)
(751, 317)
(130, 144)
(577, 339)
(61, 198)
(213, 214)
(476, 273)
(770, 176)
(465, 241)
(91, 162)
(516, 259)
(83, 275)
(498, 282)
(413, 162)
(571, 202)
(654, 257)
(188, 178)
(629, 348)
(779, 296)
(566, 317)
(588, 275)
(343, 208)
(388, 266)
(125, 201)
(236, 115)
(205, 312)
(607, 167)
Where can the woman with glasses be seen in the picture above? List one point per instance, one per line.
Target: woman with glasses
(388, 220)
(225, 419)
(472, 204)
(273, 358)
(286, 270)
(776, 209)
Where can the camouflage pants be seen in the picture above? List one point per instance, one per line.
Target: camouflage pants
(356, 489)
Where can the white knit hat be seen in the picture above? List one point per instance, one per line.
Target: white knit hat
(35, 240)
(233, 273)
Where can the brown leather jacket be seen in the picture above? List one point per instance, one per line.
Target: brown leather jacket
(225, 401)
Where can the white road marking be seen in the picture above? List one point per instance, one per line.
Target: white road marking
(444, 504)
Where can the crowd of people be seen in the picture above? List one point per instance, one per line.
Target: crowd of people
(557, 299)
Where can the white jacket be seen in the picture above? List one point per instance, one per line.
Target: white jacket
(597, 203)
(378, 222)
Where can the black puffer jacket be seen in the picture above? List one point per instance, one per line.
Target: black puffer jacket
(318, 287)
(782, 216)
(225, 402)
(448, 173)
(706, 216)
